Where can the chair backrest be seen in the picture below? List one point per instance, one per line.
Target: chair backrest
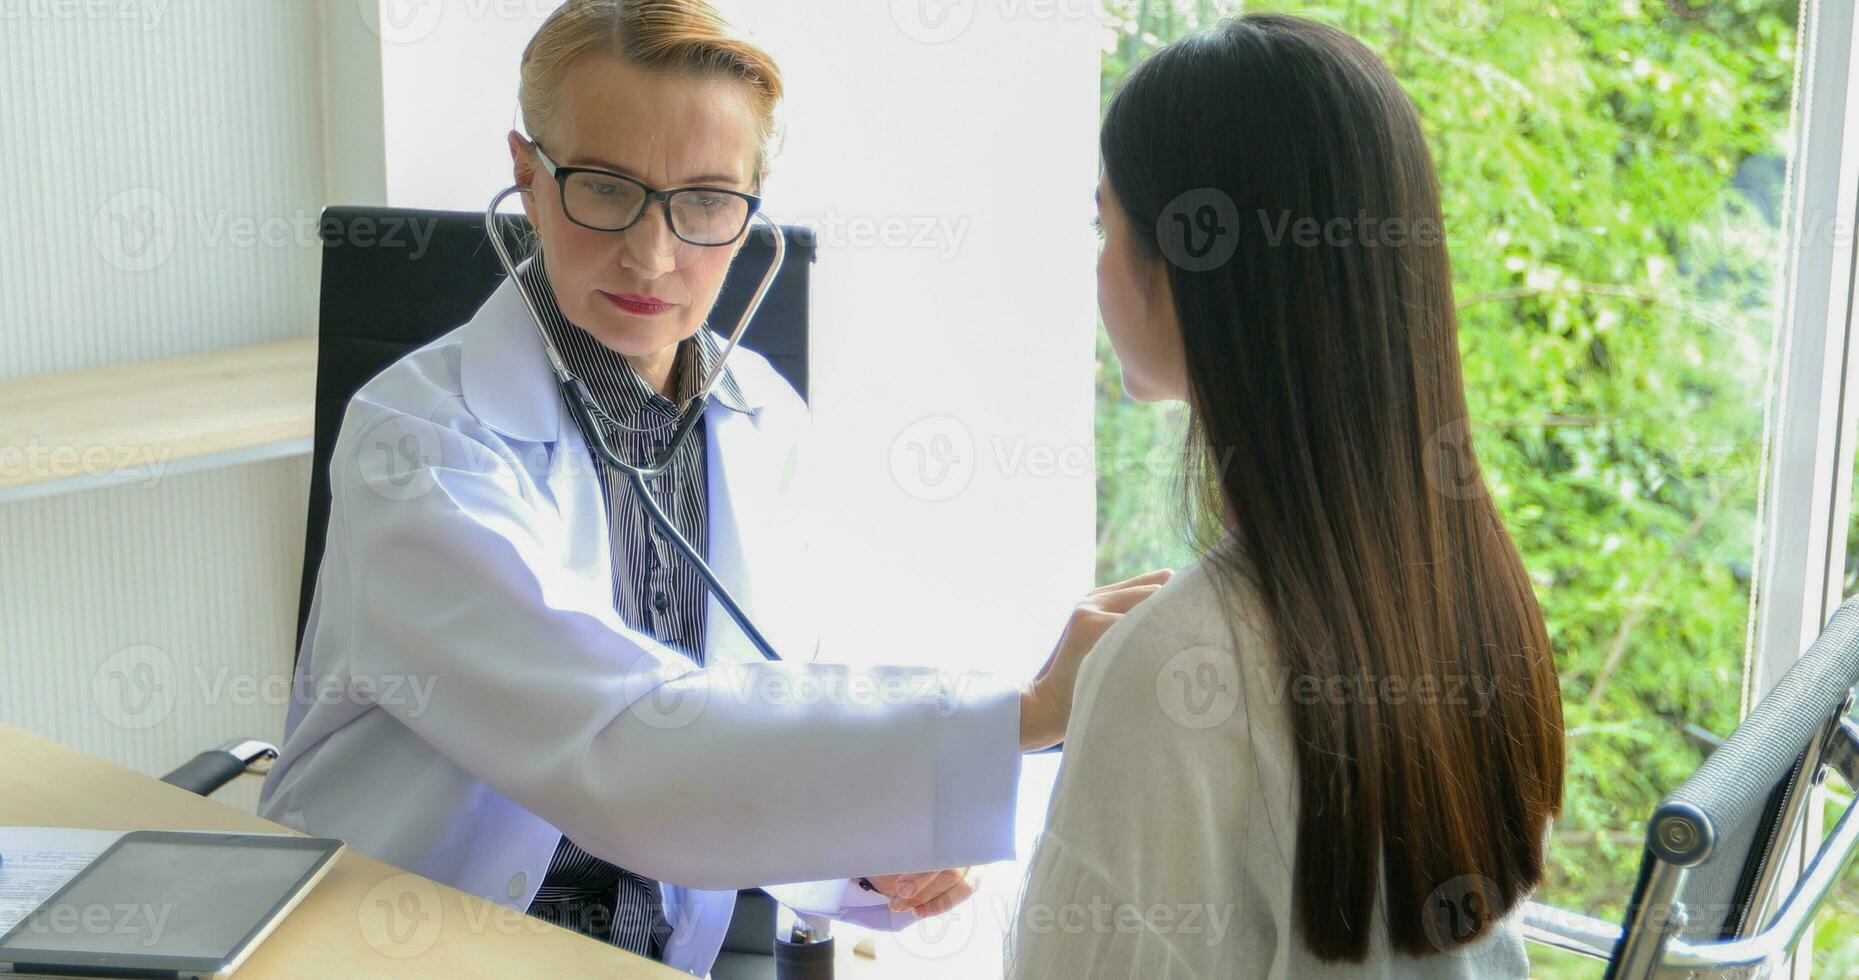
(1714, 847)
(395, 279)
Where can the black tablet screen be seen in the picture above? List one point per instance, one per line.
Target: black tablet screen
(165, 898)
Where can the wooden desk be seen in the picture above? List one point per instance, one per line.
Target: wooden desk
(364, 919)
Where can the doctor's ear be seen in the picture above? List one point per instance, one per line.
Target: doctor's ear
(523, 163)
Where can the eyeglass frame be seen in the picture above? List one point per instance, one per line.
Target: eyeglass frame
(663, 198)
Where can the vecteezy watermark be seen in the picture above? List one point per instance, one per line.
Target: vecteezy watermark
(1362, 228)
(933, 21)
(1733, 229)
(412, 21)
(941, 21)
(37, 461)
(411, 693)
(1199, 229)
(135, 230)
(936, 458)
(941, 936)
(141, 922)
(1199, 687)
(1459, 911)
(397, 457)
(401, 916)
(666, 699)
(401, 21)
(140, 228)
(933, 458)
(1470, 691)
(147, 14)
(1692, 9)
(1450, 461)
(138, 687)
(1203, 922)
(833, 229)
(1462, 22)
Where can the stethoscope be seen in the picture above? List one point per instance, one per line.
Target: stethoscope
(586, 411)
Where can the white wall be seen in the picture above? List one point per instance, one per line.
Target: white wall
(163, 170)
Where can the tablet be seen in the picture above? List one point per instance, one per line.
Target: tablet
(168, 904)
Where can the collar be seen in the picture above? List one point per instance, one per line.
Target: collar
(610, 377)
(505, 377)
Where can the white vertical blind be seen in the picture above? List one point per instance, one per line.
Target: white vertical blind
(164, 170)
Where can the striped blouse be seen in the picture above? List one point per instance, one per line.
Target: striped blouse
(655, 590)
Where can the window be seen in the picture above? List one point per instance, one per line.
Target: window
(1613, 178)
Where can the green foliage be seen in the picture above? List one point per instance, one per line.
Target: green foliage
(1609, 172)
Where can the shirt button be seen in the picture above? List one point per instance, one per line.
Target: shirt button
(661, 601)
(517, 881)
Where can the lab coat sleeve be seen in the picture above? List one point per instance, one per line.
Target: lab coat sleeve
(725, 777)
(843, 899)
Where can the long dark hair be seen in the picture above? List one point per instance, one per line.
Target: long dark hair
(1277, 167)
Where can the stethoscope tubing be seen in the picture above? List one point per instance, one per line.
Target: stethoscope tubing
(581, 405)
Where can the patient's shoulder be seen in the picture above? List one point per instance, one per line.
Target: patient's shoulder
(1186, 655)
(1206, 604)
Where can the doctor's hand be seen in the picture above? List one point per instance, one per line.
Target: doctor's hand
(1046, 700)
(927, 893)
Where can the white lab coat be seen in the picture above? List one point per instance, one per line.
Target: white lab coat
(466, 691)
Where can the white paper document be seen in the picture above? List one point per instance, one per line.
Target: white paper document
(37, 861)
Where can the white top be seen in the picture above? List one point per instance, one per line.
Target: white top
(1169, 845)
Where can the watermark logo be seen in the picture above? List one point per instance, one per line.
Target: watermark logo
(1459, 22)
(1199, 687)
(400, 916)
(1188, 922)
(933, 21)
(1459, 910)
(141, 923)
(1199, 229)
(941, 936)
(1691, 9)
(933, 459)
(135, 231)
(1450, 461)
(401, 21)
(135, 688)
(1730, 230)
(141, 228)
(655, 699)
(397, 456)
(147, 14)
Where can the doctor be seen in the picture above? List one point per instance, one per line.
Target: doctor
(511, 684)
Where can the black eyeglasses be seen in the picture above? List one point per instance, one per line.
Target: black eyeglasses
(605, 201)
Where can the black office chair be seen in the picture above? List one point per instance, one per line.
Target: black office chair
(1708, 901)
(395, 279)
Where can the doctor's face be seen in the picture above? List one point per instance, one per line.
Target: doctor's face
(642, 290)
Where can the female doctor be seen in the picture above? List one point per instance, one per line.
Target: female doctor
(511, 684)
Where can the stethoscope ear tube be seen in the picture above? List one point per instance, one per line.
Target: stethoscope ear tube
(586, 413)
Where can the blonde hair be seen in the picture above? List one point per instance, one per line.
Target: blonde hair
(683, 37)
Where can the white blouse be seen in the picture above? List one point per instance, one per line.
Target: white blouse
(1168, 848)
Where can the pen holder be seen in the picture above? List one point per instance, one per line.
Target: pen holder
(804, 961)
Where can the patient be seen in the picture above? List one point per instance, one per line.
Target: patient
(1332, 746)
